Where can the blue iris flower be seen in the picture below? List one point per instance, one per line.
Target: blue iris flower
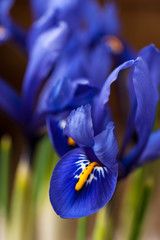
(89, 53)
(80, 185)
(72, 192)
(83, 11)
(93, 38)
(65, 96)
(42, 58)
(143, 84)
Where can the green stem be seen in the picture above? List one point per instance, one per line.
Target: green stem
(42, 160)
(141, 210)
(103, 225)
(19, 201)
(81, 228)
(4, 172)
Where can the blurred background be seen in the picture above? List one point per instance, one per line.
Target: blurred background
(140, 27)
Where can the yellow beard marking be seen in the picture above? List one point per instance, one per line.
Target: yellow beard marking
(84, 175)
(115, 44)
(71, 142)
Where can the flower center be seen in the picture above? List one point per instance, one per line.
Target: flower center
(84, 175)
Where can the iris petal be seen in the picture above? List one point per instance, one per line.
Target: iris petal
(111, 12)
(80, 119)
(97, 191)
(10, 102)
(56, 133)
(5, 6)
(47, 21)
(146, 98)
(152, 149)
(60, 95)
(151, 55)
(38, 7)
(105, 147)
(100, 61)
(65, 7)
(45, 52)
(100, 106)
(69, 66)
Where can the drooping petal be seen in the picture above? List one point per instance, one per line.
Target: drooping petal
(57, 136)
(79, 126)
(152, 149)
(146, 98)
(10, 102)
(105, 147)
(97, 191)
(45, 52)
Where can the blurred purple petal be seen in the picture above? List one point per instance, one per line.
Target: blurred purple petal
(45, 52)
(10, 102)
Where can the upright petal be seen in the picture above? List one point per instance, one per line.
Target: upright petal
(151, 55)
(100, 105)
(111, 12)
(105, 147)
(79, 126)
(47, 21)
(105, 93)
(146, 97)
(97, 191)
(45, 52)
